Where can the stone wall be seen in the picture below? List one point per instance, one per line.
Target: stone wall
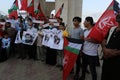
(49, 7)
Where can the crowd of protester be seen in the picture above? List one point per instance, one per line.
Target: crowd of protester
(88, 58)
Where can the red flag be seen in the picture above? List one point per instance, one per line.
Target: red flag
(13, 10)
(24, 4)
(106, 21)
(39, 13)
(71, 51)
(59, 12)
(30, 9)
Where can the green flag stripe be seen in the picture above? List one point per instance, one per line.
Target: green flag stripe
(37, 11)
(15, 7)
(73, 50)
(9, 11)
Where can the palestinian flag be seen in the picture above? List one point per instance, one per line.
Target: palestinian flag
(59, 12)
(13, 10)
(30, 9)
(24, 4)
(39, 13)
(71, 50)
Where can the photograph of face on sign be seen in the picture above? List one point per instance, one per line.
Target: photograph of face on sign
(56, 40)
(53, 39)
(29, 38)
(46, 38)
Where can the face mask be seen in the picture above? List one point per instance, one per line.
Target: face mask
(39, 28)
(50, 26)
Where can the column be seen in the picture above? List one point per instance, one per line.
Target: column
(71, 9)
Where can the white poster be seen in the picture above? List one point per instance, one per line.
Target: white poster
(47, 38)
(18, 39)
(29, 37)
(53, 39)
(57, 40)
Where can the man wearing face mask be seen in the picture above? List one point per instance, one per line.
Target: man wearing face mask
(51, 54)
(51, 26)
(19, 24)
(31, 26)
(31, 49)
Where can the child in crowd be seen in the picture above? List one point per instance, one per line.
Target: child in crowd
(60, 52)
(5, 47)
(40, 48)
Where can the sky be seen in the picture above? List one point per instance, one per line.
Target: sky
(94, 8)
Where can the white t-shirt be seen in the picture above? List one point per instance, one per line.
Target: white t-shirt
(89, 48)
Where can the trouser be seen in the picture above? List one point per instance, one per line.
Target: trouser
(12, 49)
(40, 53)
(21, 50)
(3, 54)
(111, 68)
(60, 57)
(91, 61)
(51, 56)
(78, 64)
(30, 51)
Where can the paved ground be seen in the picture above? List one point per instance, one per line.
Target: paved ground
(16, 69)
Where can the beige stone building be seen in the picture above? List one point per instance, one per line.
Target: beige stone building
(71, 9)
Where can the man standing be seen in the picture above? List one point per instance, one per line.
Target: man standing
(31, 49)
(77, 33)
(111, 50)
(90, 49)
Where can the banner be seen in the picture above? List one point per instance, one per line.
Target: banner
(29, 37)
(47, 38)
(106, 21)
(53, 39)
